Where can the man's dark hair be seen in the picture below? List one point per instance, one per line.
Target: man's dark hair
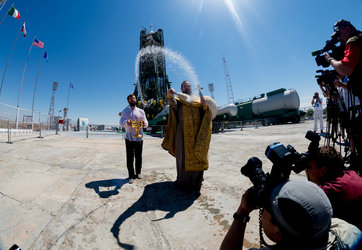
(328, 156)
(130, 95)
(186, 81)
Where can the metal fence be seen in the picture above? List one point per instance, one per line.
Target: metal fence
(23, 123)
(225, 125)
(94, 131)
(36, 124)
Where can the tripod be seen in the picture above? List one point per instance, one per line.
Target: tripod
(337, 120)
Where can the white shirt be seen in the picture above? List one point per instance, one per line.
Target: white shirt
(317, 105)
(135, 114)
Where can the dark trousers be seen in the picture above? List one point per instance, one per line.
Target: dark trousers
(134, 150)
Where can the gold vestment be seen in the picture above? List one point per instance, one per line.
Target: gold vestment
(197, 134)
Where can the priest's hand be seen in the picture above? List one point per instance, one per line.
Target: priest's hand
(203, 102)
(170, 93)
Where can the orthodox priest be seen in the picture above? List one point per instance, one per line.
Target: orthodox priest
(188, 135)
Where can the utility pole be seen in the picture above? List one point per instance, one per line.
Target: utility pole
(228, 83)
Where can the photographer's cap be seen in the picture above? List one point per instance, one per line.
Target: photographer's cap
(302, 209)
(340, 24)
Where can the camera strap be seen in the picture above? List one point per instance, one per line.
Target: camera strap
(337, 243)
(316, 103)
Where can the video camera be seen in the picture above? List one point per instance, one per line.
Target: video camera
(284, 160)
(326, 76)
(336, 52)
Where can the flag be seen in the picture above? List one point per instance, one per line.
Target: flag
(38, 43)
(71, 86)
(23, 30)
(14, 13)
(45, 55)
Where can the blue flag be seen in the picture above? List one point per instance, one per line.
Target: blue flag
(45, 55)
(71, 86)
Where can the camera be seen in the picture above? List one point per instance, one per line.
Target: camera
(326, 76)
(336, 52)
(284, 159)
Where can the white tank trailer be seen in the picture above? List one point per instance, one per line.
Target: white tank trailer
(230, 109)
(286, 100)
(278, 106)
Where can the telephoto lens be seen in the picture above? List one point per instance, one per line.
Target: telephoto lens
(253, 170)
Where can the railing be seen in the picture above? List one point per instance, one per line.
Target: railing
(223, 125)
(93, 131)
(22, 123)
(103, 131)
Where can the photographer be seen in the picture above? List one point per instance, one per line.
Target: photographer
(343, 188)
(297, 216)
(351, 64)
(318, 112)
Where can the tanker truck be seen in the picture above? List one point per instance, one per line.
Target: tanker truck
(275, 107)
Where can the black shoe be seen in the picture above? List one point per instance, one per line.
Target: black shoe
(138, 176)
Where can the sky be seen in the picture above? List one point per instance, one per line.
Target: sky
(92, 44)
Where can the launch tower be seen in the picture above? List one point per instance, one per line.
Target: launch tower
(152, 78)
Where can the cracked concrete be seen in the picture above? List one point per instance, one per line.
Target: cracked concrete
(67, 192)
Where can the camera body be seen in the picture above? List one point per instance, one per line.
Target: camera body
(284, 159)
(336, 52)
(327, 76)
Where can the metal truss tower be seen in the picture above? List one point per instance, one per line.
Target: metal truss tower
(228, 83)
(51, 107)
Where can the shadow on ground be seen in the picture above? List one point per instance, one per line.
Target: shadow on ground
(163, 196)
(116, 183)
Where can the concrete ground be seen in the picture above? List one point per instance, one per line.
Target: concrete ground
(67, 192)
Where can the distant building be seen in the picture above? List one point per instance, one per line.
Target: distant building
(100, 127)
(82, 124)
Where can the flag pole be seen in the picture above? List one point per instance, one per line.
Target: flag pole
(21, 83)
(3, 5)
(36, 82)
(68, 96)
(6, 66)
(6, 14)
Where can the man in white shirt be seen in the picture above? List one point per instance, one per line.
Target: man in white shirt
(318, 111)
(134, 144)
